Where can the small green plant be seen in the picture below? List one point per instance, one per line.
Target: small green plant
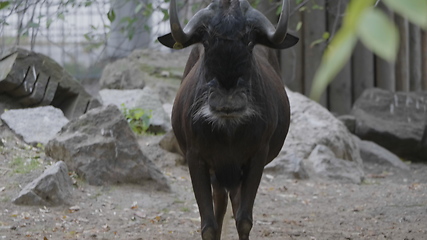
(21, 165)
(185, 209)
(40, 146)
(138, 119)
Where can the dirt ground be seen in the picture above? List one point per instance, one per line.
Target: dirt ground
(389, 204)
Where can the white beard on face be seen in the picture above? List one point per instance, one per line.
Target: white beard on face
(223, 120)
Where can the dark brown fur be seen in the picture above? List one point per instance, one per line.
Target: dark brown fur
(232, 159)
(231, 114)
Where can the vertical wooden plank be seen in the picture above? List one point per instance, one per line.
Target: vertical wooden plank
(385, 71)
(424, 60)
(314, 26)
(291, 59)
(340, 99)
(362, 70)
(414, 58)
(402, 61)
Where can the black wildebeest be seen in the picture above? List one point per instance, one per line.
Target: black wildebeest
(231, 113)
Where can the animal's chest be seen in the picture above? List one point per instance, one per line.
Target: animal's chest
(229, 145)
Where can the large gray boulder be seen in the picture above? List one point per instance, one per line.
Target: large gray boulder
(35, 125)
(52, 188)
(324, 163)
(146, 99)
(32, 79)
(123, 74)
(320, 141)
(374, 153)
(396, 121)
(101, 148)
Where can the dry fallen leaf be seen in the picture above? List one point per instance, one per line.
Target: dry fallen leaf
(134, 205)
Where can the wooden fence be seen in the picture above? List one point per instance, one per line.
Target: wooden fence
(311, 19)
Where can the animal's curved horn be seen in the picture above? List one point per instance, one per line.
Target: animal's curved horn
(183, 35)
(257, 19)
(176, 29)
(282, 26)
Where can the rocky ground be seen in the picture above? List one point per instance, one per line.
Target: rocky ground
(389, 204)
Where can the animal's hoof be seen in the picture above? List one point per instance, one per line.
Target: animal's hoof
(209, 233)
(244, 228)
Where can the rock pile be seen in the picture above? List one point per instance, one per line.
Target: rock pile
(317, 143)
(101, 148)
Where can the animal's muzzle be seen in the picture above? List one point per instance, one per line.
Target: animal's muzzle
(228, 104)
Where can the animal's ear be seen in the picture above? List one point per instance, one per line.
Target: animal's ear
(168, 41)
(290, 40)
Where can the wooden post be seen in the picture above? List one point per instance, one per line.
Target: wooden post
(340, 99)
(314, 26)
(362, 70)
(291, 58)
(385, 71)
(414, 58)
(402, 61)
(424, 60)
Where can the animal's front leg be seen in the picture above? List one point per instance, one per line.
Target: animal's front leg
(250, 182)
(200, 179)
(220, 204)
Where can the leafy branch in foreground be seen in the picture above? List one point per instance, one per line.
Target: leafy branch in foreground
(365, 22)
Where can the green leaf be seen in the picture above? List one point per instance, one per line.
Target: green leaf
(414, 10)
(138, 113)
(316, 42)
(326, 35)
(334, 58)
(279, 10)
(111, 15)
(4, 4)
(139, 7)
(87, 36)
(379, 34)
(317, 6)
(299, 25)
(49, 22)
(33, 25)
(148, 11)
(61, 16)
(165, 14)
(127, 20)
(353, 12)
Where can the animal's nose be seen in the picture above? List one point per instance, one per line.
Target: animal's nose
(225, 109)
